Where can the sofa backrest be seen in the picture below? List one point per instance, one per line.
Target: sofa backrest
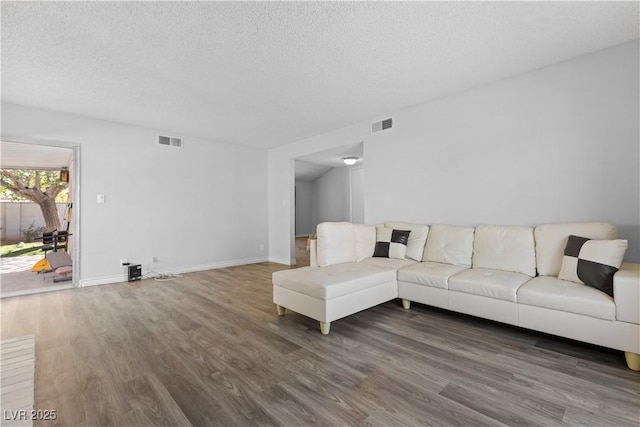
(340, 242)
(449, 244)
(417, 238)
(508, 248)
(519, 249)
(551, 240)
(365, 240)
(336, 243)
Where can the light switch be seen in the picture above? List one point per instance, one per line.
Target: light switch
(100, 198)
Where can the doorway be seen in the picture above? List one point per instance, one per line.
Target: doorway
(326, 189)
(37, 258)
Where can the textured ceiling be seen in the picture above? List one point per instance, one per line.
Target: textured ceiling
(269, 73)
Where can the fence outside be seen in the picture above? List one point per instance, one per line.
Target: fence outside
(18, 216)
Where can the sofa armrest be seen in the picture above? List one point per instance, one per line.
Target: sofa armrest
(313, 247)
(626, 293)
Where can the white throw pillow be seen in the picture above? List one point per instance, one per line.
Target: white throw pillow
(592, 262)
(551, 239)
(391, 243)
(417, 238)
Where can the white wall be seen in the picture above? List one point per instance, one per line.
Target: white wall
(327, 198)
(357, 195)
(198, 207)
(331, 197)
(304, 223)
(553, 145)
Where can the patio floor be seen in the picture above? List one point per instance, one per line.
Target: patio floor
(16, 277)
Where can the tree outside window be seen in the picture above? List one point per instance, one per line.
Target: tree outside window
(42, 187)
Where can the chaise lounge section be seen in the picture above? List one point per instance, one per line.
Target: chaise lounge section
(337, 283)
(514, 275)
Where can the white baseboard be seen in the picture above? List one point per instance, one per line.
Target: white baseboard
(102, 280)
(283, 261)
(212, 266)
(177, 270)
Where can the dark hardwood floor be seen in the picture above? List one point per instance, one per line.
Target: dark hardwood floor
(209, 349)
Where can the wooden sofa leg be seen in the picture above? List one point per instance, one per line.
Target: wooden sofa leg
(324, 327)
(633, 360)
(280, 310)
(406, 304)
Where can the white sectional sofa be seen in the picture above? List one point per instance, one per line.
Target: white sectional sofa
(503, 273)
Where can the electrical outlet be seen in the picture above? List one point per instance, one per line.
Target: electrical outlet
(262, 247)
(154, 259)
(124, 261)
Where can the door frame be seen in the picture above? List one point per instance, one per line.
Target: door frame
(75, 216)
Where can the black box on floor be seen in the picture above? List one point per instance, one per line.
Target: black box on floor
(135, 272)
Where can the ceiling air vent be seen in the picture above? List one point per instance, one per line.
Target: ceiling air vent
(382, 125)
(170, 141)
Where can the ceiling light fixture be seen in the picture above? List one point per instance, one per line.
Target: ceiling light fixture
(349, 161)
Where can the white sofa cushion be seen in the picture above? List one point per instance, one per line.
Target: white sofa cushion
(449, 244)
(551, 239)
(333, 281)
(428, 273)
(336, 243)
(365, 236)
(417, 238)
(592, 262)
(562, 295)
(388, 263)
(507, 248)
(490, 283)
